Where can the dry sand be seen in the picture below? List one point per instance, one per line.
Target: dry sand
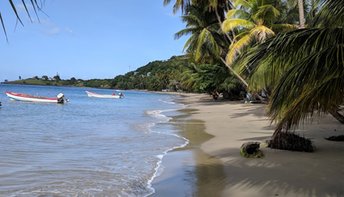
(279, 173)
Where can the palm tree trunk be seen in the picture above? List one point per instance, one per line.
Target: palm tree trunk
(301, 14)
(220, 23)
(235, 73)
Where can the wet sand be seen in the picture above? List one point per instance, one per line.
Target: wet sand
(212, 166)
(188, 171)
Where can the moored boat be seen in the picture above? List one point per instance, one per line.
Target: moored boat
(96, 95)
(30, 98)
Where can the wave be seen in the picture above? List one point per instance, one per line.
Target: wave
(168, 102)
(172, 102)
(157, 169)
(159, 114)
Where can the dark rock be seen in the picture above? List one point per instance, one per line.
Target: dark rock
(291, 141)
(338, 138)
(251, 149)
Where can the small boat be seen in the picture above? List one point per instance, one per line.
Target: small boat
(26, 97)
(115, 96)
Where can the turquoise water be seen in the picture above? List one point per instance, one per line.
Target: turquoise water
(87, 147)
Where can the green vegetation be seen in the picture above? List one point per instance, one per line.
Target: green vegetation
(179, 74)
(57, 81)
(301, 71)
(175, 74)
(241, 46)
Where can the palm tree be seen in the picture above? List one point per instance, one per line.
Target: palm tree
(208, 4)
(254, 22)
(305, 69)
(179, 5)
(206, 44)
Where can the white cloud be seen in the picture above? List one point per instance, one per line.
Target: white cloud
(51, 29)
(48, 26)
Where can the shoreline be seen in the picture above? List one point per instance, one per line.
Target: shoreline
(181, 172)
(279, 173)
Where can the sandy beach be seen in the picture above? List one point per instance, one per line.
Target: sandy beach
(211, 164)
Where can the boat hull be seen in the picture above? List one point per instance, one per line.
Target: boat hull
(30, 98)
(92, 94)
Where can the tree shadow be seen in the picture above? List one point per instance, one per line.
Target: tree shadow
(250, 109)
(282, 173)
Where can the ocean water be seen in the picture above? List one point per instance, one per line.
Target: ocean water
(86, 147)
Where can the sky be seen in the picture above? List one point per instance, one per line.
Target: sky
(87, 39)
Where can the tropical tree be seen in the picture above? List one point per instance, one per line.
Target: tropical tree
(205, 43)
(299, 11)
(45, 78)
(57, 77)
(305, 69)
(254, 22)
(218, 6)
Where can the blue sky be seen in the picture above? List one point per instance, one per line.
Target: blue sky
(88, 39)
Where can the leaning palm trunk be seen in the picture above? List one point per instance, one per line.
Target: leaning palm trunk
(235, 73)
(220, 23)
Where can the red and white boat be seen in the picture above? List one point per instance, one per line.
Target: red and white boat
(30, 98)
(114, 96)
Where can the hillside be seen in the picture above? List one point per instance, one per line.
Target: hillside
(174, 74)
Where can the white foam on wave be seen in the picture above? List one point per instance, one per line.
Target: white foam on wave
(145, 127)
(167, 102)
(159, 114)
(157, 169)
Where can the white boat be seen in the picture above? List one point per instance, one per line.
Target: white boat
(114, 96)
(30, 98)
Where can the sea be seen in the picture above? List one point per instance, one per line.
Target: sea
(86, 147)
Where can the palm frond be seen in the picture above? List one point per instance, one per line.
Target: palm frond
(34, 3)
(181, 5)
(233, 23)
(26, 10)
(192, 20)
(261, 33)
(237, 13)
(3, 27)
(184, 32)
(242, 3)
(269, 60)
(267, 12)
(316, 83)
(331, 14)
(15, 11)
(205, 40)
(283, 27)
(236, 47)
